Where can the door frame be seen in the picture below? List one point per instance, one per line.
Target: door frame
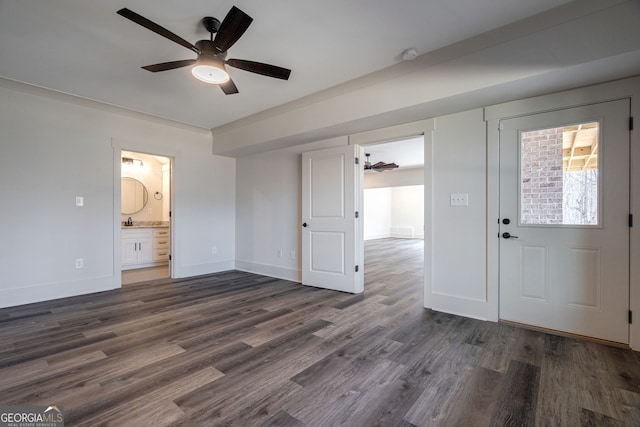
(394, 133)
(118, 146)
(620, 89)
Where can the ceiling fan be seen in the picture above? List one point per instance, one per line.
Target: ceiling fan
(380, 166)
(210, 63)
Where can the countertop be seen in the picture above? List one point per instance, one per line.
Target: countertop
(146, 224)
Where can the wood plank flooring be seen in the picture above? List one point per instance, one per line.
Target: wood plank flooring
(139, 275)
(239, 349)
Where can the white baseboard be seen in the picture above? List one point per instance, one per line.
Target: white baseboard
(57, 290)
(377, 236)
(183, 271)
(278, 272)
(404, 236)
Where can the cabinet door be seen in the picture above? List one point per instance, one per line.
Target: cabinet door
(129, 251)
(145, 249)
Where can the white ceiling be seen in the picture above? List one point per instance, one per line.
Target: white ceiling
(406, 153)
(82, 47)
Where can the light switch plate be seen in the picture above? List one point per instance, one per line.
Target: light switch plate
(460, 199)
(79, 201)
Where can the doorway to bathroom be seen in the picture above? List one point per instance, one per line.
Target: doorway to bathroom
(145, 217)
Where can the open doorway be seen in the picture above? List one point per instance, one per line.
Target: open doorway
(394, 211)
(145, 217)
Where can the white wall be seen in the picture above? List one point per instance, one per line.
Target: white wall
(407, 211)
(54, 147)
(394, 212)
(377, 213)
(458, 277)
(269, 210)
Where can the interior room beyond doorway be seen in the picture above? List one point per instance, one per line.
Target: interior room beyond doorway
(145, 217)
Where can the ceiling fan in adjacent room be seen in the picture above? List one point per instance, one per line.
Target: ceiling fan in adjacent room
(210, 64)
(380, 166)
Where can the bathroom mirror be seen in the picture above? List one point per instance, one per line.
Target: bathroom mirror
(134, 196)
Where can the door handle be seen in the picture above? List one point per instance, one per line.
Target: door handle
(507, 235)
(304, 224)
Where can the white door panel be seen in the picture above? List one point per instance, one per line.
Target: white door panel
(332, 242)
(328, 254)
(566, 265)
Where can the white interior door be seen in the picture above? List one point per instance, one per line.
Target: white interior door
(564, 220)
(332, 241)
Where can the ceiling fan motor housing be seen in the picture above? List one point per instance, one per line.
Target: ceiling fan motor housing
(211, 24)
(206, 48)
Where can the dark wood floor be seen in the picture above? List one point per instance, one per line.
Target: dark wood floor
(239, 349)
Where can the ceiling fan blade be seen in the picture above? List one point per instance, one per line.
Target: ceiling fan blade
(260, 68)
(232, 28)
(387, 166)
(229, 87)
(150, 25)
(164, 66)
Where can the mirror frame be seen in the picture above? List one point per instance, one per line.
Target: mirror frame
(144, 192)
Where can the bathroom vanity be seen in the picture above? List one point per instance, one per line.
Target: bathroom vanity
(145, 242)
(144, 246)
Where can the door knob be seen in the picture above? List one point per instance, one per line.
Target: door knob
(304, 224)
(507, 235)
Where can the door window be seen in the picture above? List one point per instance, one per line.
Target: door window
(559, 175)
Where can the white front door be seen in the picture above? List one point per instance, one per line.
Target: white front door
(564, 220)
(332, 241)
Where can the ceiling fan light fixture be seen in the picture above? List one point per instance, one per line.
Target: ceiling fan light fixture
(210, 70)
(210, 66)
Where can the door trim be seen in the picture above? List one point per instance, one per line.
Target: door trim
(118, 146)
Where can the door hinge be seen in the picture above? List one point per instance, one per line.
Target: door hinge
(169, 257)
(169, 214)
(630, 317)
(500, 126)
(630, 220)
(357, 214)
(630, 123)
(357, 268)
(357, 160)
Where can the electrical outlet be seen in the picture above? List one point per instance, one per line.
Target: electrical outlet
(293, 255)
(214, 250)
(279, 254)
(79, 201)
(459, 199)
(79, 263)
